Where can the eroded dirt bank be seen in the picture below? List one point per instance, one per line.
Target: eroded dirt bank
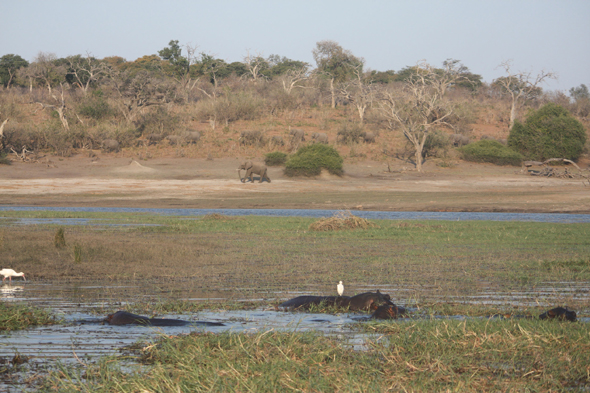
(118, 181)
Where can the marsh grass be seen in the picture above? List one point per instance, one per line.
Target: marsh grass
(429, 355)
(15, 316)
(272, 255)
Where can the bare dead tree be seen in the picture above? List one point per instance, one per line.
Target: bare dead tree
(59, 106)
(417, 108)
(48, 74)
(86, 70)
(359, 91)
(139, 90)
(521, 85)
(292, 77)
(255, 63)
(452, 72)
(2, 143)
(44, 72)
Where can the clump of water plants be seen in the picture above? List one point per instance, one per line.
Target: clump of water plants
(14, 316)
(341, 220)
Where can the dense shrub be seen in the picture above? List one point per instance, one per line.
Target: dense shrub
(4, 159)
(276, 158)
(490, 151)
(550, 132)
(436, 145)
(95, 106)
(309, 161)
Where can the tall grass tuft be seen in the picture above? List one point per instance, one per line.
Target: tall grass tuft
(59, 239)
(77, 252)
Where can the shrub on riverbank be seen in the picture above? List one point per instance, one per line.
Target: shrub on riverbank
(311, 159)
(491, 151)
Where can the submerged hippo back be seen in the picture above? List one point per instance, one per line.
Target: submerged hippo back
(126, 318)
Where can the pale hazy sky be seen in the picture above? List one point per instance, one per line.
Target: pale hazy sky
(552, 35)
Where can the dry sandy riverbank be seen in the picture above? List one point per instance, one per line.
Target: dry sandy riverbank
(117, 180)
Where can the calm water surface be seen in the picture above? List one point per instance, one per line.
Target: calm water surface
(382, 215)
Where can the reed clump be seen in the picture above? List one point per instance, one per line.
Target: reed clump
(15, 316)
(340, 221)
(59, 240)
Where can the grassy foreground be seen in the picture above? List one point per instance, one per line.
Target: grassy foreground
(430, 355)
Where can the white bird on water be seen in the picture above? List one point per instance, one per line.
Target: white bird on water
(9, 273)
(340, 288)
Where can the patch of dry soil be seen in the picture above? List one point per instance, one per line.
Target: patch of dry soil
(116, 180)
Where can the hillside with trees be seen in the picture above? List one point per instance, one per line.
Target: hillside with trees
(180, 102)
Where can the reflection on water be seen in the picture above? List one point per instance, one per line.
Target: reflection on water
(8, 291)
(383, 215)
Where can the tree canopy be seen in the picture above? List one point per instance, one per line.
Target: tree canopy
(9, 65)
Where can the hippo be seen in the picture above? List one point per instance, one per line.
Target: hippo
(368, 301)
(361, 302)
(385, 311)
(127, 318)
(561, 313)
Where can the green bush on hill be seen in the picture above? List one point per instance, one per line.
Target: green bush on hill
(309, 161)
(276, 158)
(491, 151)
(550, 132)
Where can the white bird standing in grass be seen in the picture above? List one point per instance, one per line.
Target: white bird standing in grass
(11, 273)
(340, 288)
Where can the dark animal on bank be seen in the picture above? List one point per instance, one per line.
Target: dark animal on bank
(361, 302)
(109, 145)
(368, 137)
(560, 313)
(459, 140)
(252, 169)
(127, 318)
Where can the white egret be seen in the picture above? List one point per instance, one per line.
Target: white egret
(340, 288)
(9, 273)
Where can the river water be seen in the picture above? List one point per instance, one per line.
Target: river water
(565, 218)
